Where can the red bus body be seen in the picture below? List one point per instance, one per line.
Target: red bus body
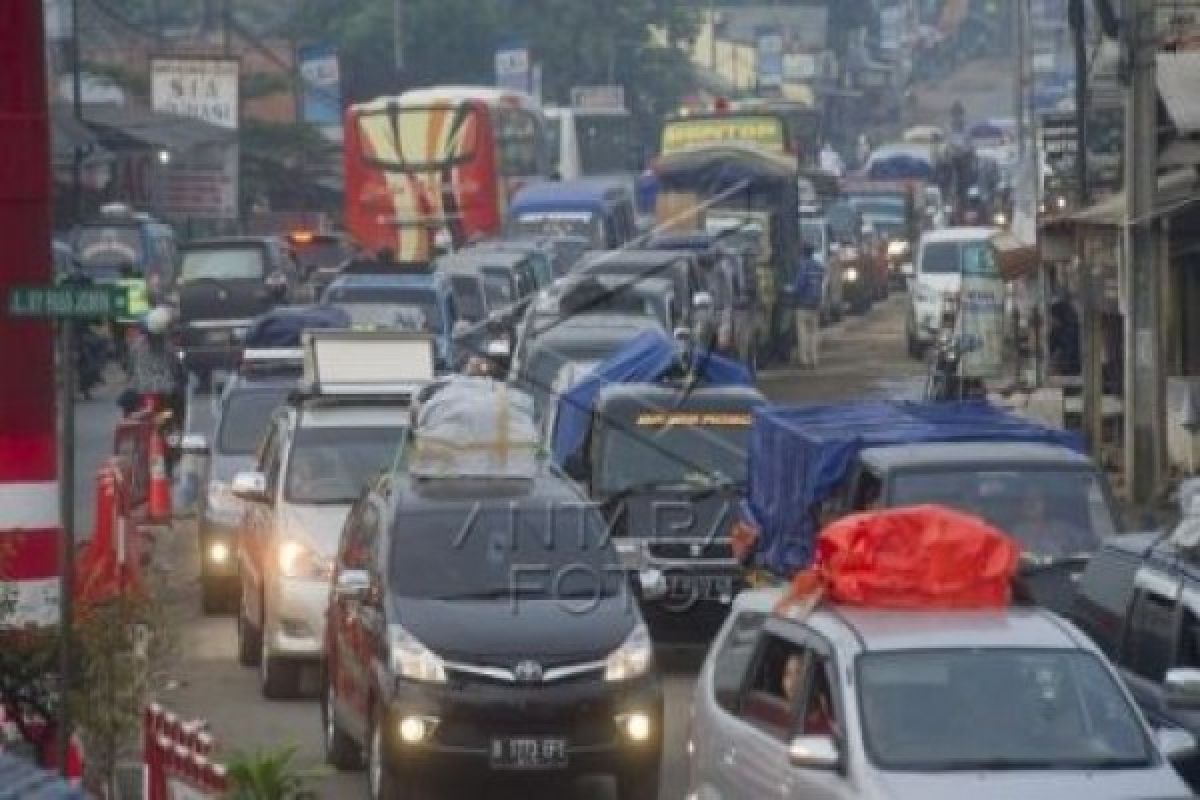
(441, 160)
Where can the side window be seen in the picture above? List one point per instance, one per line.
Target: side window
(868, 492)
(1188, 653)
(519, 140)
(1152, 622)
(273, 461)
(771, 701)
(732, 660)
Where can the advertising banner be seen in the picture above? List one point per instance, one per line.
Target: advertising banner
(770, 57)
(981, 324)
(322, 95)
(514, 68)
(202, 88)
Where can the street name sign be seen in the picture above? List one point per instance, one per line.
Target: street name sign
(67, 302)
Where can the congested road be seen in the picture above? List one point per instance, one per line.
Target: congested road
(861, 357)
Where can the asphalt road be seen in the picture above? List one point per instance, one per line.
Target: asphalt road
(862, 356)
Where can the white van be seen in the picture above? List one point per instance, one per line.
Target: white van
(943, 257)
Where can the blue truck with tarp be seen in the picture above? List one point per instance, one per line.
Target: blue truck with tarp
(657, 437)
(598, 209)
(811, 465)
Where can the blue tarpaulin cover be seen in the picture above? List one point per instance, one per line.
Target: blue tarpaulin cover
(799, 456)
(284, 327)
(644, 359)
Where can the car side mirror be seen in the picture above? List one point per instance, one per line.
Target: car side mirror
(352, 583)
(1188, 494)
(1176, 744)
(1182, 686)
(814, 752)
(250, 486)
(194, 444)
(702, 301)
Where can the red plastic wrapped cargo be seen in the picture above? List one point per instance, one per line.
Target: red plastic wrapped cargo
(919, 558)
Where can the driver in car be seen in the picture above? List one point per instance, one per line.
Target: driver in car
(1044, 533)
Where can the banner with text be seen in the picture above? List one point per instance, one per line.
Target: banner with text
(514, 68)
(202, 88)
(322, 96)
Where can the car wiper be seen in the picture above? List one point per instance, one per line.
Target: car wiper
(1033, 563)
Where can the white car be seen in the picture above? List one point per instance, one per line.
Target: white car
(315, 460)
(942, 258)
(851, 703)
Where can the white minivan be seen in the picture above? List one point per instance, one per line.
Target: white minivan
(942, 259)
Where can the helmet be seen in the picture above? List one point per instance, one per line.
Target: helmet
(157, 320)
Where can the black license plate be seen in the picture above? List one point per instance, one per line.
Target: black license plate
(707, 587)
(529, 753)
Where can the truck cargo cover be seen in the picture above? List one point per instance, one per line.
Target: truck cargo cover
(799, 456)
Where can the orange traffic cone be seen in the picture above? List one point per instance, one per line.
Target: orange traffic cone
(160, 484)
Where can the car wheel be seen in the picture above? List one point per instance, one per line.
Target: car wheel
(341, 752)
(249, 639)
(639, 784)
(277, 677)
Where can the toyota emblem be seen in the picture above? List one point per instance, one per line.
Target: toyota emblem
(528, 672)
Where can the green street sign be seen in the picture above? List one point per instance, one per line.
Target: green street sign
(67, 302)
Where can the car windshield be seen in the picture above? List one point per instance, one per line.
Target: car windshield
(953, 258)
(109, 246)
(500, 551)
(497, 285)
(244, 419)
(880, 206)
(813, 233)
(331, 465)
(388, 306)
(223, 264)
(691, 447)
(559, 223)
(1053, 513)
(994, 709)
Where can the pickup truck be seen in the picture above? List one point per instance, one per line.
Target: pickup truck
(1139, 600)
(812, 465)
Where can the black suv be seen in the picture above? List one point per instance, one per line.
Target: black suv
(481, 628)
(223, 285)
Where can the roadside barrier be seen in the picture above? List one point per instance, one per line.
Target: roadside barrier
(131, 444)
(177, 758)
(110, 562)
(160, 482)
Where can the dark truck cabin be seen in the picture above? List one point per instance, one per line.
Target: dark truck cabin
(681, 268)
(589, 337)
(538, 259)
(1054, 501)
(1139, 600)
(667, 467)
(599, 209)
(509, 276)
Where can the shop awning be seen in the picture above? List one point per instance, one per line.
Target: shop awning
(1176, 191)
(152, 129)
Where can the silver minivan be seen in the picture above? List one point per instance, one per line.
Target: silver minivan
(853, 703)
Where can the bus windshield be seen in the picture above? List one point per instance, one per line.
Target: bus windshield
(606, 143)
(420, 138)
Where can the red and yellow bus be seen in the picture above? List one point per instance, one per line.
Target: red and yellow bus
(438, 163)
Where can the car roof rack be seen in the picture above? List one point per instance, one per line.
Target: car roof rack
(364, 364)
(268, 361)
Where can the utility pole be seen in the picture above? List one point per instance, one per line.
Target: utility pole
(1089, 288)
(1020, 35)
(1142, 274)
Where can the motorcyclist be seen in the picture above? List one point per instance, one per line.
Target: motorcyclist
(155, 372)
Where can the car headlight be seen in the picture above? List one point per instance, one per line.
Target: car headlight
(1000, 219)
(632, 659)
(898, 247)
(298, 560)
(850, 275)
(413, 660)
(221, 501)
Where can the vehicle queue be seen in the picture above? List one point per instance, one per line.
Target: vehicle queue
(389, 464)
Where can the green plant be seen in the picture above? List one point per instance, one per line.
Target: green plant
(270, 775)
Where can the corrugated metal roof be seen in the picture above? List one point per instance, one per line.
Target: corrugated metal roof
(152, 128)
(1179, 87)
(1176, 190)
(21, 780)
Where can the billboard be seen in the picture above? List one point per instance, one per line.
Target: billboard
(770, 57)
(202, 88)
(202, 183)
(514, 68)
(320, 75)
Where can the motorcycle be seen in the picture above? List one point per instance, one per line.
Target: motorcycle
(945, 383)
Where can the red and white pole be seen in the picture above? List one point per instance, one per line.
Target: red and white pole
(29, 493)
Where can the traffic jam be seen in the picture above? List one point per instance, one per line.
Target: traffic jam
(552, 470)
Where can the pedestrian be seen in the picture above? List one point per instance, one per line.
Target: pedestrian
(806, 291)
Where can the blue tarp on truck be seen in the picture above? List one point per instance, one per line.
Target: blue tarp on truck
(799, 457)
(644, 359)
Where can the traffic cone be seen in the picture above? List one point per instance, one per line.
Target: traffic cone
(160, 484)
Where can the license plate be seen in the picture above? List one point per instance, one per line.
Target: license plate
(529, 753)
(218, 337)
(707, 587)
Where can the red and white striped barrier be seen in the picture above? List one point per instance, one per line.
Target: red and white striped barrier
(176, 757)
